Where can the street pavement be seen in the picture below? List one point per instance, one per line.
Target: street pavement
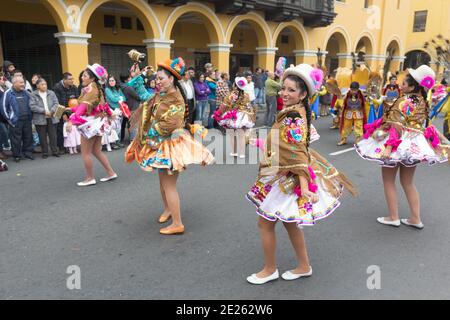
(110, 232)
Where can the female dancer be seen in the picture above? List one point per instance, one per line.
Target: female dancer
(162, 142)
(295, 184)
(90, 116)
(237, 113)
(400, 140)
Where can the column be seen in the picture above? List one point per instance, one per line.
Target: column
(376, 61)
(266, 58)
(345, 60)
(397, 63)
(74, 51)
(220, 56)
(309, 57)
(158, 50)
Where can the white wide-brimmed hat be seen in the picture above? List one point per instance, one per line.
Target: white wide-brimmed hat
(241, 82)
(424, 75)
(313, 77)
(100, 72)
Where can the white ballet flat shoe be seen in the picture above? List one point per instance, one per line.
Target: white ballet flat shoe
(395, 223)
(288, 275)
(253, 279)
(417, 226)
(87, 183)
(242, 156)
(109, 178)
(233, 154)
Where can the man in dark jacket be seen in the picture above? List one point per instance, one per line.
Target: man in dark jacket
(64, 90)
(16, 109)
(133, 102)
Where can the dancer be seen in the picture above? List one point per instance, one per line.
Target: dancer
(162, 142)
(90, 116)
(392, 90)
(402, 139)
(353, 114)
(237, 113)
(295, 184)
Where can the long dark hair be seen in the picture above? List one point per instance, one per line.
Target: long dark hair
(97, 82)
(177, 85)
(117, 86)
(418, 89)
(305, 102)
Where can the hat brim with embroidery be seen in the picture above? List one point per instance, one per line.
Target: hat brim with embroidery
(424, 75)
(99, 72)
(176, 67)
(312, 77)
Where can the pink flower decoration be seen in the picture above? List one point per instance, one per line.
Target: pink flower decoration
(100, 71)
(317, 77)
(427, 82)
(241, 83)
(432, 135)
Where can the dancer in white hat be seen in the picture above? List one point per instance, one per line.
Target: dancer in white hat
(91, 116)
(403, 138)
(237, 113)
(295, 184)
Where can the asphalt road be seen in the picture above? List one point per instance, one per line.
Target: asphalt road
(110, 232)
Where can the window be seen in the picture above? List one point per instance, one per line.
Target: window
(285, 39)
(420, 21)
(125, 23)
(139, 25)
(109, 21)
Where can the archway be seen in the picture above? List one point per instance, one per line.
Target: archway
(416, 58)
(250, 37)
(336, 44)
(116, 29)
(27, 38)
(363, 47)
(289, 39)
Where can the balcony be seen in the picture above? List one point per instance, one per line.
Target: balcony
(315, 13)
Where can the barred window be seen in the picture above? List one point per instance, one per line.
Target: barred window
(420, 21)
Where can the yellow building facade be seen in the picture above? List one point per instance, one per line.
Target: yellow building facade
(232, 43)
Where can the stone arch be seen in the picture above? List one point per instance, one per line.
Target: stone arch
(260, 26)
(301, 36)
(394, 44)
(212, 23)
(141, 8)
(59, 14)
(342, 36)
(365, 40)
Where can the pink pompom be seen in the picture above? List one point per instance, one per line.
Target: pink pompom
(427, 82)
(317, 77)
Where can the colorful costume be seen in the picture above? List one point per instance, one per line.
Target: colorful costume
(403, 127)
(92, 114)
(353, 116)
(161, 141)
(277, 193)
(236, 112)
(392, 92)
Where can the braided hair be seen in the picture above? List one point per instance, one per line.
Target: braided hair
(177, 85)
(101, 90)
(305, 102)
(418, 89)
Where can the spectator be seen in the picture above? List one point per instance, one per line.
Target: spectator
(151, 85)
(133, 103)
(208, 68)
(65, 90)
(21, 131)
(189, 90)
(114, 94)
(34, 79)
(43, 104)
(191, 71)
(211, 82)
(4, 140)
(201, 96)
(258, 79)
(250, 88)
(223, 90)
(272, 89)
(20, 74)
(8, 68)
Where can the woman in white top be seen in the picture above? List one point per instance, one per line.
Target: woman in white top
(250, 88)
(43, 104)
